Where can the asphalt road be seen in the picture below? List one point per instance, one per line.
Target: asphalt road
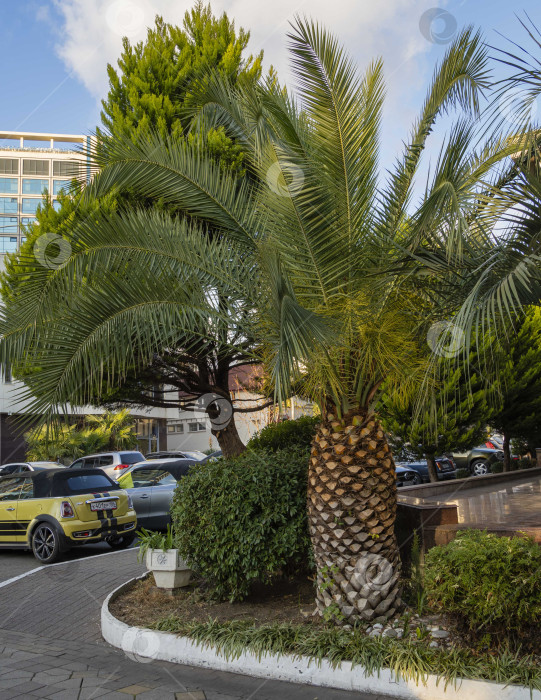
(14, 562)
(51, 644)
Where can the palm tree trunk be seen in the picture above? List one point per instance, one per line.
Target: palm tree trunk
(351, 512)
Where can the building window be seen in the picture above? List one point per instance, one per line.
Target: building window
(35, 186)
(8, 244)
(9, 166)
(8, 224)
(65, 168)
(56, 205)
(25, 220)
(35, 167)
(59, 185)
(175, 428)
(30, 206)
(8, 205)
(196, 427)
(8, 185)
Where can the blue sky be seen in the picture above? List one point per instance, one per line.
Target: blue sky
(55, 52)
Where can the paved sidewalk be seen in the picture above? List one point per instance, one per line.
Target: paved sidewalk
(51, 646)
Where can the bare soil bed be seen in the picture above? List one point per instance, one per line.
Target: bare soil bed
(285, 601)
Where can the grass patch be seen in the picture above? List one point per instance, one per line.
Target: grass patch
(407, 659)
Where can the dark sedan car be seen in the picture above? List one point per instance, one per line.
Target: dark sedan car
(196, 455)
(445, 466)
(407, 477)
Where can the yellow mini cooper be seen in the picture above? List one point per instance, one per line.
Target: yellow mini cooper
(53, 510)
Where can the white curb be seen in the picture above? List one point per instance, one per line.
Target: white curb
(145, 645)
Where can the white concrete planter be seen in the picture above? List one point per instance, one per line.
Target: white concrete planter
(170, 571)
(145, 645)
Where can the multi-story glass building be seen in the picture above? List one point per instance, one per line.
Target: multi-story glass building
(30, 165)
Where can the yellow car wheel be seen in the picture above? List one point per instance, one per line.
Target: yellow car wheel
(46, 543)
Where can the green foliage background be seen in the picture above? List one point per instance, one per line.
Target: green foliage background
(490, 583)
(288, 434)
(98, 433)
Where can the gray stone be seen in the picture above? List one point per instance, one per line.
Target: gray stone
(440, 634)
(433, 645)
(377, 626)
(390, 632)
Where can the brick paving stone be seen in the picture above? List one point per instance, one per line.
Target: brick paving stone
(38, 636)
(133, 689)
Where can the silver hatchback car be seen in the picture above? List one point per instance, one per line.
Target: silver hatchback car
(114, 464)
(22, 467)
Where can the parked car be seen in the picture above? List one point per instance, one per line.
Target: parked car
(51, 510)
(177, 454)
(23, 467)
(176, 467)
(113, 463)
(213, 456)
(445, 466)
(151, 486)
(407, 477)
(478, 460)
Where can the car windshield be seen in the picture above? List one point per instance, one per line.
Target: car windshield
(131, 457)
(195, 454)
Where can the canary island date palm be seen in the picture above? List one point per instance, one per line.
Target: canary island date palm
(342, 273)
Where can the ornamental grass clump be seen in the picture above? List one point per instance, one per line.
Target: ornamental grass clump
(243, 520)
(490, 584)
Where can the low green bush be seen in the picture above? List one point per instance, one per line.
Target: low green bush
(463, 473)
(490, 583)
(238, 521)
(286, 434)
(524, 463)
(496, 468)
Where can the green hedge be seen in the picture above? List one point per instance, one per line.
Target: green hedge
(242, 520)
(491, 583)
(285, 435)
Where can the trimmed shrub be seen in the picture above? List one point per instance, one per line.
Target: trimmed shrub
(490, 583)
(286, 434)
(242, 520)
(463, 473)
(524, 463)
(496, 468)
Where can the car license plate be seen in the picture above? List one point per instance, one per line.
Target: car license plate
(104, 505)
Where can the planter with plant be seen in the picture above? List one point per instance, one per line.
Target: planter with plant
(163, 560)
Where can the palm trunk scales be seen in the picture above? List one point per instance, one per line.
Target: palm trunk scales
(351, 514)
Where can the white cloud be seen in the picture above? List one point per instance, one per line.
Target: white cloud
(92, 30)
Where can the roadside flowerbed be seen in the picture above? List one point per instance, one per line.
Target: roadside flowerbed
(279, 619)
